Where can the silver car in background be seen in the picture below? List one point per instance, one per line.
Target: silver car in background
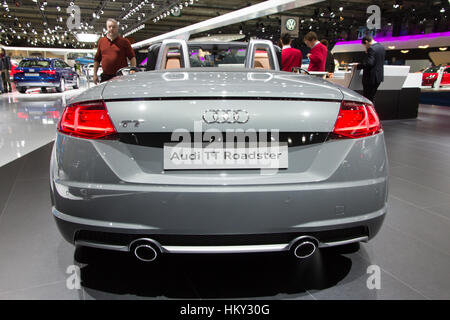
(302, 162)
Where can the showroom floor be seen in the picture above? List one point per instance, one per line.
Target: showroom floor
(412, 250)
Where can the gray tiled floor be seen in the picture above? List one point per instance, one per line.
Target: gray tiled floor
(412, 249)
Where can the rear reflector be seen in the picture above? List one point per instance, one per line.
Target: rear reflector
(356, 120)
(88, 120)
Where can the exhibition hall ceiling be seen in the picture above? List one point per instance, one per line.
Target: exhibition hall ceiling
(44, 23)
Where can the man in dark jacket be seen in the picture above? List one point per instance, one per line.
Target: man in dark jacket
(1, 81)
(373, 67)
(329, 63)
(6, 67)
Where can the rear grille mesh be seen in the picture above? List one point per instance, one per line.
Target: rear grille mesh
(158, 139)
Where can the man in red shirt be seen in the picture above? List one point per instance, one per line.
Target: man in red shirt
(112, 53)
(290, 57)
(318, 54)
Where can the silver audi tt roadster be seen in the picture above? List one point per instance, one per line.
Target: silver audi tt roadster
(214, 150)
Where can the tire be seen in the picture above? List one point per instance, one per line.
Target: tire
(62, 85)
(22, 89)
(77, 83)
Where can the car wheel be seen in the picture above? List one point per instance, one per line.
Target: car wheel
(22, 90)
(62, 86)
(77, 83)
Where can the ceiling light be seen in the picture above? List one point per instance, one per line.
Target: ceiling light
(391, 47)
(87, 37)
(443, 48)
(404, 51)
(424, 46)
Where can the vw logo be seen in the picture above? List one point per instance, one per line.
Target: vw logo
(291, 24)
(225, 116)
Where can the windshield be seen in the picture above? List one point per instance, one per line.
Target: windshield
(34, 63)
(217, 55)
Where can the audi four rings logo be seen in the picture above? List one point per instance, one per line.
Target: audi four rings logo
(226, 116)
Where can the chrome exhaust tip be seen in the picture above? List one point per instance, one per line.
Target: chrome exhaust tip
(146, 250)
(145, 253)
(304, 247)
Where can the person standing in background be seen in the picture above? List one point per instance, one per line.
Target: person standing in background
(329, 62)
(290, 57)
(6, 68)
(318, 54)
(372, 66)
(1, 82)
(112, 53)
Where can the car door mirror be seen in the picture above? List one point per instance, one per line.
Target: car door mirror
(126, 71)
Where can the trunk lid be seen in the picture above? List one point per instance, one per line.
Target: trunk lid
(209, 82)
(299, 110)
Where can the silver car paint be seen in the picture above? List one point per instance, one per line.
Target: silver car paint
(107, 185)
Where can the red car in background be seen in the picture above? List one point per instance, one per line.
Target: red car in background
(11, 72)
(430, 75)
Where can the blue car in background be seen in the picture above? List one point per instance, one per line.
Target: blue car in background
(45, 73)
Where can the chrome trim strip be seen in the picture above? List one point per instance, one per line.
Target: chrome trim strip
(102, 246)
(343, 242)
(154, 242)
(226, 249)
(220, 249)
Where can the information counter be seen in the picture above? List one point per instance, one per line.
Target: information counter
(397, 96)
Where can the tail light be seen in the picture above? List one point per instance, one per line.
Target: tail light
(88, 120)
(49, 72)
(356, 120)
(15, 71)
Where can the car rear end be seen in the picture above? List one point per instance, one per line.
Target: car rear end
(114, 183)
(35, 73)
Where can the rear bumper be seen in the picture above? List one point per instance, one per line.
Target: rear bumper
(83, 232)
(34, 84)
(109, 213)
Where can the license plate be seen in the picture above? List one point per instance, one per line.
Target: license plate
(187, 157)
(31, 74)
